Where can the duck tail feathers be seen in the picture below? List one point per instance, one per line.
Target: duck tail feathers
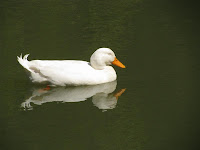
(24, 61)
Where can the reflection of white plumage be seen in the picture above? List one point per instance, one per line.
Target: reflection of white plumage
(74, 72)
(101, 94)
(104, 101)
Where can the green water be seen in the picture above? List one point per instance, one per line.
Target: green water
(157, 41)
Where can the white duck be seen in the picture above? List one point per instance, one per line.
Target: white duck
(74, 72)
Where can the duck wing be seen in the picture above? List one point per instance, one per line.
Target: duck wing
(62, 72)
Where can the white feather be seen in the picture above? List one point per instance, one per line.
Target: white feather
(24, 62)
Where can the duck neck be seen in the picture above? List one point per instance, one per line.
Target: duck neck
(96, 65)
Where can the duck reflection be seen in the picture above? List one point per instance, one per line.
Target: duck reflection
(103, 95)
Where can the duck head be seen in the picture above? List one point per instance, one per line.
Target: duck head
(103, 57)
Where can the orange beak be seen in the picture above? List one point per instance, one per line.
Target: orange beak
(118, 63)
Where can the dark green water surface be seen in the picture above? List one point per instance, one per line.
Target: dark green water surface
(158, 41)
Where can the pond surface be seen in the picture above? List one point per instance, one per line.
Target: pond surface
(157, 108)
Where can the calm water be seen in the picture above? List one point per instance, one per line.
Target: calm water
(156, 40)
